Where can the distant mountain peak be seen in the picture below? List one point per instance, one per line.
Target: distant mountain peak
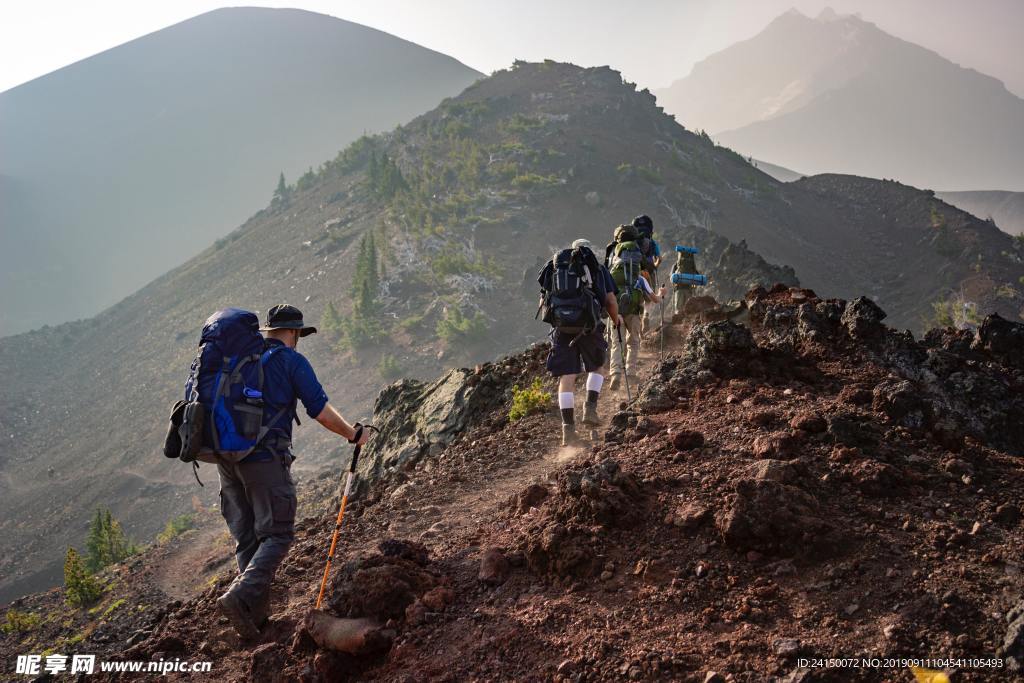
(838, 93)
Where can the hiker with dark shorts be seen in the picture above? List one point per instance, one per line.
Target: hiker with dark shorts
(257, 493)
(575, 292)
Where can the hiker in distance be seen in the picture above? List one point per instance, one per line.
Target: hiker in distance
(630, 270)
(651, 250)
(576, 292)
(257, 494)
(683, 291)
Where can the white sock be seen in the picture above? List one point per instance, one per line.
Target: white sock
(565, 400)
(595, 382)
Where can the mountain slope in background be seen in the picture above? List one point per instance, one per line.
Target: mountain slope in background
(1005, 208)
(464, 203)
(127, 163)
(837, 94)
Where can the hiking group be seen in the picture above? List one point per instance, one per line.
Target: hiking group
(578, 293)
(243, 388)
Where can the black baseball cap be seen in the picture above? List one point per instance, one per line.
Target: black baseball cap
(285, 317)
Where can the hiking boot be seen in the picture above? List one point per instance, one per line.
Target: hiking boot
(237, 612)
(569, 437)
(261, 611)
(590, 416)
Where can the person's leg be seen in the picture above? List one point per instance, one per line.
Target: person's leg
(564, 363)
(615, 357)
(237, 513)
(594, 355)
(271, 493)
(632, 324)
(566, 402)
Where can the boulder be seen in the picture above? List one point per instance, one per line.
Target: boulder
(687, 440)
(772, 517)
(494, 567)
(862, 319)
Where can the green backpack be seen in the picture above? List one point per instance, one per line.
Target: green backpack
(626, 266)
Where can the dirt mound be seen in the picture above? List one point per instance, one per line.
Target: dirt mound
(774, 518)
(385, 585)
(565, 532)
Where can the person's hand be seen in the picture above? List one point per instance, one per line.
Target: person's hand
(618, 321)
(361, 435)
(661, 291)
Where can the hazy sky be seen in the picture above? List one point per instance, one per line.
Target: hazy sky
(652, 42)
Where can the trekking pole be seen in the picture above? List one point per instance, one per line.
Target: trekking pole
(661, 330)
(622, 353)
(341, 512)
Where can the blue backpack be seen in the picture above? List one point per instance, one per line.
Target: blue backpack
(221, 418)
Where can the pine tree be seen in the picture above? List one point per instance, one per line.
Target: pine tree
(372, 277)
(330, 322)
(106, 542)
(80, 588)
(281, 193)
(94, 544)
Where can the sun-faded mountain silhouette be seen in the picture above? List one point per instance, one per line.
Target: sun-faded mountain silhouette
(121, 166)
(838, 94)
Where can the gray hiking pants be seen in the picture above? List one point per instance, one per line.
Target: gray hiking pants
(257, 500)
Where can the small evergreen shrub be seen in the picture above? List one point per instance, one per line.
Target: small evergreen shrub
(19, 622)
(532, 399)
(80, 587)
(175, 527)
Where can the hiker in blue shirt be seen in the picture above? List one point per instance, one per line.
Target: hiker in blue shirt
(257, 494)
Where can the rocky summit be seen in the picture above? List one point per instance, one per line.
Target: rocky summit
(813, 485)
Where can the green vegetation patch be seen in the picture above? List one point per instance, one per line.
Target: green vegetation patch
(532, 399)
(175, 527)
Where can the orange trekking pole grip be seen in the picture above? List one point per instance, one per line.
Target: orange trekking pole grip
(341, 512)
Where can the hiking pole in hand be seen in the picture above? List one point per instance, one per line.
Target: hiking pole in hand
(341, 512)
(622, 353)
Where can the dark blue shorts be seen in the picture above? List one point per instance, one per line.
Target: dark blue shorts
(588, 352)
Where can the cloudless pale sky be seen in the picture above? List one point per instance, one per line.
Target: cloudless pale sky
(652, 42)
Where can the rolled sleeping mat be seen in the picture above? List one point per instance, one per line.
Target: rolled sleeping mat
(689, 279)
(688, 250)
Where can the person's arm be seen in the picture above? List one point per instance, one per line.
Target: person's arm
(331, 419)
(656, 297)
(314, 398)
